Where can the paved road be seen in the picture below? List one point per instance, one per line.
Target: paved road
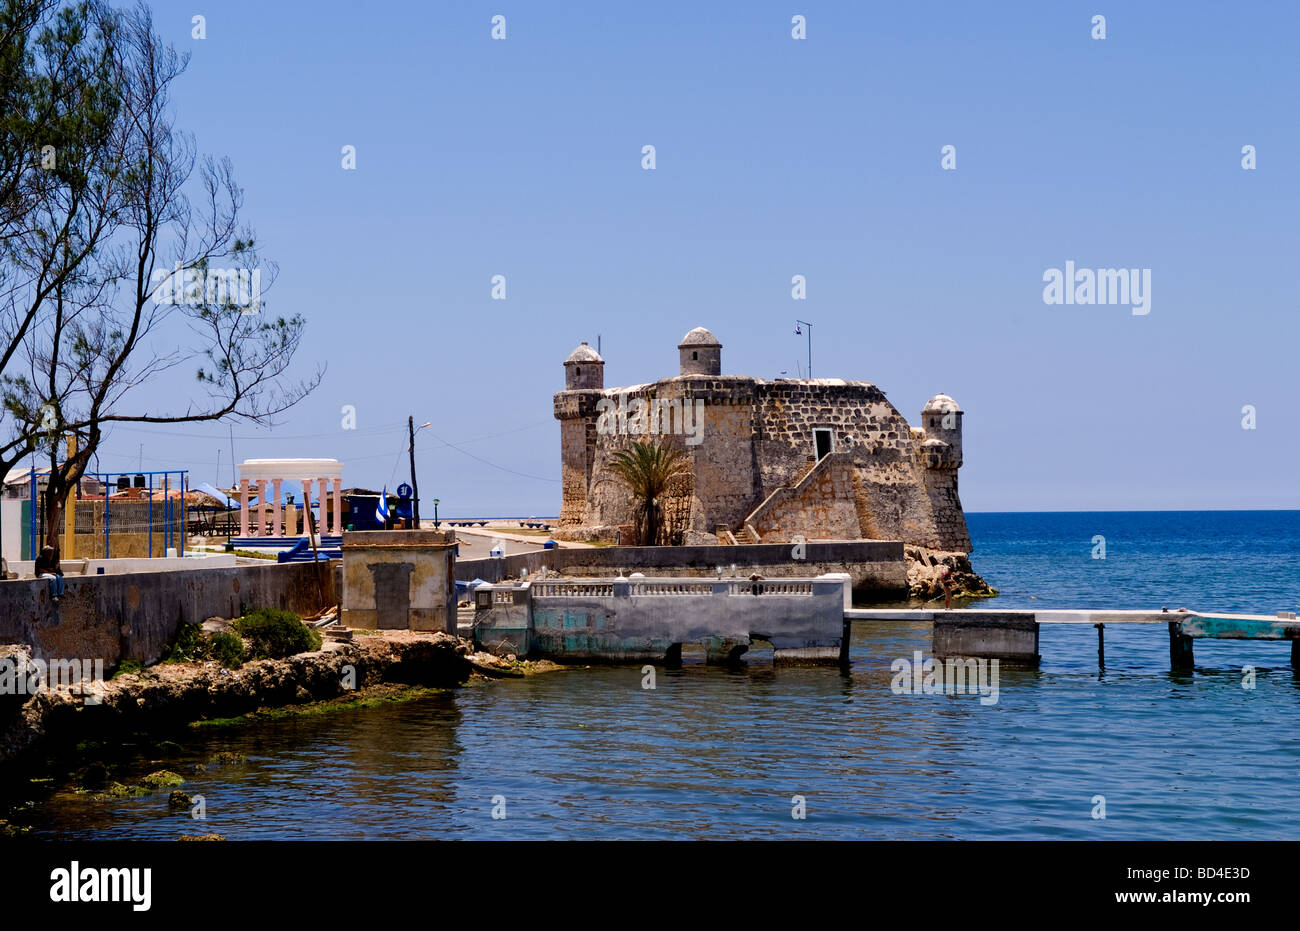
(477, 544)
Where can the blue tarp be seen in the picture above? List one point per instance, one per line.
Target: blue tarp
(220, 495)
(467, 588)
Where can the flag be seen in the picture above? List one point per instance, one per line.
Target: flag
(797, 331)
(381, 512)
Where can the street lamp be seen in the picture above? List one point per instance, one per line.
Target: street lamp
(435, 514)
(797, 331)
(415, 485)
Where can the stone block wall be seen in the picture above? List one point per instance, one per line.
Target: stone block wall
(820, 506)
(760, 437)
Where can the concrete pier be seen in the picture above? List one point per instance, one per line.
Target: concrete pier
(807, 621)
(1011, 637)
(1006, 634)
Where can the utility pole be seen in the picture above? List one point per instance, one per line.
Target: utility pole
(415, 486)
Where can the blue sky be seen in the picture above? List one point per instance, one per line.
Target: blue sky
(775, 157)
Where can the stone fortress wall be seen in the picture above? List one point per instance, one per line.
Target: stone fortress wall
(756, 470)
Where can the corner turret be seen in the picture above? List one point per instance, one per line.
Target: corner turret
(584, 368)
(701, 353)
(941, 422)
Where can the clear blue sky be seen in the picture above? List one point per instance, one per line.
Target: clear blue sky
(776, 157)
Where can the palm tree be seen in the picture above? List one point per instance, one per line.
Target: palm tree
(647, 469)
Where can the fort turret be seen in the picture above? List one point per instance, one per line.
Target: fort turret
(575, 408)
(584, 368)
(701, 353)
(941, 424)
(941, 457)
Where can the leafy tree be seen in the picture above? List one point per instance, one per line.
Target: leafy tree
(92, 307)
(647, 469)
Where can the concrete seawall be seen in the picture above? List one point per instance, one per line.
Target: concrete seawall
(135, 615)
(876, 567)
(643, 619)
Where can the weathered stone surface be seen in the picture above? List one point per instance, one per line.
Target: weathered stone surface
(760, 437)
(399, 580)
(925, 570)
(135, 615)
(183, 693)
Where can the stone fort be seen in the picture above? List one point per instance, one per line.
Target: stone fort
(824, 459)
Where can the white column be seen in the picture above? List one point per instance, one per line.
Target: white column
(260, 529)
(306, 506)
(324, 505)
(338, 507)
(275, 507)
(243, 507)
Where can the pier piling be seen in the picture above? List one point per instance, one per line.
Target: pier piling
(1181, 654)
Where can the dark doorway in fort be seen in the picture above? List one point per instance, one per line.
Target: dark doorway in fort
(823, 440)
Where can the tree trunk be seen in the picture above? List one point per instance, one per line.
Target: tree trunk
(54, 503)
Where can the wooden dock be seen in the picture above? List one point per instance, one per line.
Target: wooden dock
(969, 625)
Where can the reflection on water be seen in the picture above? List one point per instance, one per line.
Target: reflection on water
(712, 753)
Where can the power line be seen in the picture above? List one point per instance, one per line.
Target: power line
(539, 478)
(386, 428)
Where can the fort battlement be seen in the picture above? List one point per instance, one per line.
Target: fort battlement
(747, 439)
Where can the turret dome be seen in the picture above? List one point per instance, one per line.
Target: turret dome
(583, 353)
(699, 337)
(941, 404)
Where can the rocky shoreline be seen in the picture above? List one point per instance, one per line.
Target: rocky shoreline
(177, 694)
(925, 568)
(172, 694)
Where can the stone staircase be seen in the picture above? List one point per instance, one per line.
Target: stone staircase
(465, 620)
(747, 534)
(337, 632)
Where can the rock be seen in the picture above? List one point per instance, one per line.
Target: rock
(925, 575)
(162, 779)
(179, 801)
(170, 695)
(120, 790)
(11, 830)
(202, 837)
(94, 776)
